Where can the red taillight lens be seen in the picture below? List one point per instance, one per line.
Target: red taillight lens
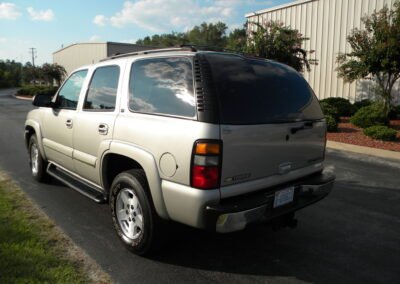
(205, 177)
(206, 164)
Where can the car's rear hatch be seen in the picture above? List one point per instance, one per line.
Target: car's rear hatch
(271, 122)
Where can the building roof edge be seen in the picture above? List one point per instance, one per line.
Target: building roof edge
(78, 43)
(290, 4)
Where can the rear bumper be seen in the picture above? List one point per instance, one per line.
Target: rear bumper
(235, 213)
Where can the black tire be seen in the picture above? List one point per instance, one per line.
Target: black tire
(140, 240)
(36, 162)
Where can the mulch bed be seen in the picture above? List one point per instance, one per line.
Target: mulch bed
(351, 134)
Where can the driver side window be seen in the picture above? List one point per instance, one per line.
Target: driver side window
(68, 96)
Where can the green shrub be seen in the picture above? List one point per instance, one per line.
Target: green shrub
(343, 106)
(369, 116)
(330, 110)
(381, 133)
(32, 91)
(331, 124)
(360, 104)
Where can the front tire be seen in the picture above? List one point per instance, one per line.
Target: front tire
(133, 214)
(37, 163)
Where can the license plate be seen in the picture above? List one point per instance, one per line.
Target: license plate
(283, 196)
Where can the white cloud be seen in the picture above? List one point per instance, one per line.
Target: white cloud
(40, 15)
(167, 15)
(227, 3)
(264, 3)
(3, 39)
(9, 11)
(100, 20)
(95, 38)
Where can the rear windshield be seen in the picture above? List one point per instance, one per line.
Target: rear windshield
(255, 91)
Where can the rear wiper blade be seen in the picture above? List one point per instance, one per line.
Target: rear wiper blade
(306, 125)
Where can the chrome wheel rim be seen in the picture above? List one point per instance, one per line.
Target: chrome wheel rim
(34, 159)
(129, 214)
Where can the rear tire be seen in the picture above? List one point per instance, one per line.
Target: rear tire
(36, 162)
(133, 213)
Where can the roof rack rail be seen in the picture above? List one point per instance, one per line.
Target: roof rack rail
(210, 48)
(149, 51)
(201, 47)
(183, 47)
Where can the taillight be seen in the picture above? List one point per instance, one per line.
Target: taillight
(206, 164)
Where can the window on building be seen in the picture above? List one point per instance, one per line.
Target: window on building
(68, 95)
(102, 91)
(162, 86)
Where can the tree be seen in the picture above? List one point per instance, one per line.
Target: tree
(237, 40)
(208, 35)
(275, 41)
(53, 72)
(213, 35)
(375, 52)
(31, 73)
(272, 40)
(10, 74)
(164, 40)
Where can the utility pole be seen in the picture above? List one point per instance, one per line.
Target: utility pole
(33, 52)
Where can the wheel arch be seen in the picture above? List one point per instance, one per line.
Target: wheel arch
(33, 128)
(122, 157)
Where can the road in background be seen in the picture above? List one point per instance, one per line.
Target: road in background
(352, 236)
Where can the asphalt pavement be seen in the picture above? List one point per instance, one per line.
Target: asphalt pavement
(352, 236)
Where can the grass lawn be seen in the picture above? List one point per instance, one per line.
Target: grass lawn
(32, 248)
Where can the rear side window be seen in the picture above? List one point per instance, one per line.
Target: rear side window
(162, 86)
(102, 91)
(68, 95)
(255, 91)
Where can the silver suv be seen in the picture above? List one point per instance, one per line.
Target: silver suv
(209, 139)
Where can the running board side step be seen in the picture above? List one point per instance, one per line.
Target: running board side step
(79, 185)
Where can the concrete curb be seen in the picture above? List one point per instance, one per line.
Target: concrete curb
(392, 155)
(22, 98)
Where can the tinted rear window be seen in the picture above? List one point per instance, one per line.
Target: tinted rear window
(253, 91)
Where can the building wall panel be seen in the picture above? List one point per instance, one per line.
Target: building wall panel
(327, 23)
(80, 54)
(77, 55)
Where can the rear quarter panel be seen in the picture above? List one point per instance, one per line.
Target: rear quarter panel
(161, 135)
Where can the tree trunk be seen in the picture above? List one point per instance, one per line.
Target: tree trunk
(385, 92)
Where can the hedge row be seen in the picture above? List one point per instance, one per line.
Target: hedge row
(369, 116)
(35, 90)
(341, 107)
(381, 133)
(364, 114)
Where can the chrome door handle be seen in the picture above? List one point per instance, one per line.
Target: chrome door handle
(103, 129)
(68, 123)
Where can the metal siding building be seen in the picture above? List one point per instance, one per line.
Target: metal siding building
(80, 54)
(326, 23)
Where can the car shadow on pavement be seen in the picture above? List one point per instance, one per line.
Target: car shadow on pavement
(259, 251)
(341, 234)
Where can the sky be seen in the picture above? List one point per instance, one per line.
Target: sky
(48, 25)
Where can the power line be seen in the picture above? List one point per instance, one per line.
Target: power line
(32, 50)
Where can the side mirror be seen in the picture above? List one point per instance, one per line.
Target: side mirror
(42, 100)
